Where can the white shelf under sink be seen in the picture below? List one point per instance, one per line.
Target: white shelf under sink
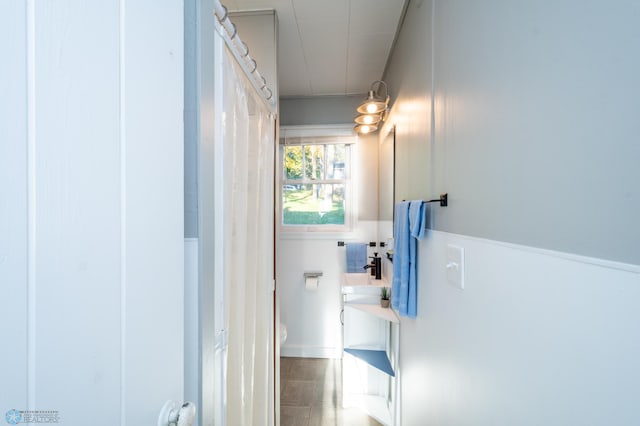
(367, 328)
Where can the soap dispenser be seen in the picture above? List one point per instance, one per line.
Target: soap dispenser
(376, 266)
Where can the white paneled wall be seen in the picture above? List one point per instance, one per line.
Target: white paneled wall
(91, 212)
(313, 317)
(192, 380)
(536, 337)
(13, 205)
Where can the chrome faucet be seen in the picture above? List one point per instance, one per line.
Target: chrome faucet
(375, 266)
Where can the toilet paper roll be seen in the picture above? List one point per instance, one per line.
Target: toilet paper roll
(311, 283)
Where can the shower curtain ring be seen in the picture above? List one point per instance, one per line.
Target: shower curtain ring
(246, 49)
(235, 31)
(226, 13)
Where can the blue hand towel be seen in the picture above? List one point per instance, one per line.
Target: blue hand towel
(401, 258)
(417, 219)
(416, 225)
(408, 227)
(356, 257)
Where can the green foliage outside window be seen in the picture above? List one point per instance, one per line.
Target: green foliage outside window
(314, 185)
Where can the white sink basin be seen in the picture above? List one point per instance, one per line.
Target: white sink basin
(351, 279)
(354, 279)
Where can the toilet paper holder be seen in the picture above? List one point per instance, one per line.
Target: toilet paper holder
(312, 274)
(311, 280)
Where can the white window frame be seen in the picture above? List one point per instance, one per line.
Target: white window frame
(346, 136)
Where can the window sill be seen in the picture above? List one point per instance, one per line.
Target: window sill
(313, 233)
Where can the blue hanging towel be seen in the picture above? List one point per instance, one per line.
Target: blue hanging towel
(416, 226)
(417, 219)
(356, 257)
(401, 258)
(409, 225)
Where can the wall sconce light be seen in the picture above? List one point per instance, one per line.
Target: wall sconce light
(373, 109)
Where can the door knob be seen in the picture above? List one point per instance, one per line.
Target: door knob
(174, 414)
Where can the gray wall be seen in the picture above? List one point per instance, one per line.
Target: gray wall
(535, 121)
(258, 29)
(319, 110)
(533, 134)
(199, 73)
(190, 119)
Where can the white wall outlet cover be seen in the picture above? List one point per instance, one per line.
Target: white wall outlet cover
(455, 265)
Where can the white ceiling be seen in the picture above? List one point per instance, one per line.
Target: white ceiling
(330, 47)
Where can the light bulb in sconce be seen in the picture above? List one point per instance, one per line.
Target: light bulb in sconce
(368, 119)
(366, 128)
(372, 106)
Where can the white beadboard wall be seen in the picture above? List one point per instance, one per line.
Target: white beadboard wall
(91, 216)
(13, 206)
(536, 337)
(312, 318)
(191, 317)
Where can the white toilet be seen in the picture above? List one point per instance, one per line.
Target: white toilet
(283, 334)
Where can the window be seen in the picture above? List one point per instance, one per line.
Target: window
(315, 183)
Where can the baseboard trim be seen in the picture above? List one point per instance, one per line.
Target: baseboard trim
(300, 351)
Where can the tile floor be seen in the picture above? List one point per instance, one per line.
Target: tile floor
(311, 394)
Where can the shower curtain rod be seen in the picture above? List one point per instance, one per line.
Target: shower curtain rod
(240, 51)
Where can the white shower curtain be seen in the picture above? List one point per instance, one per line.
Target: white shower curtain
(248, 145)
